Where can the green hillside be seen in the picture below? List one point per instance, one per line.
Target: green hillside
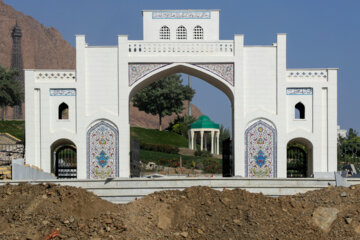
(15, 128)
(154, 136)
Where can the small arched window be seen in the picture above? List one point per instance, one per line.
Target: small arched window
(63, 111)
(181, 33)
(198, 32)
(164, 32)
(299, 111)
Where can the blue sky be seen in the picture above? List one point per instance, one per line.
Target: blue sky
(321, 33)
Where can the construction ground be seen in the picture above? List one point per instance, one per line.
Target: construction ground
(46, 211)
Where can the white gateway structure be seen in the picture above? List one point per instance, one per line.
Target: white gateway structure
(83, 114)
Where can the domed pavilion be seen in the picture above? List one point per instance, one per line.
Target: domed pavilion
(205, 127)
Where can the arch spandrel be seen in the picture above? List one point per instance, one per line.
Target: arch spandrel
(102, 151)
(261, 150)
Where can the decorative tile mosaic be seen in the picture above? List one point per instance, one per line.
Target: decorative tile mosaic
(299, 91)
(62, 92)
(260, 155)
(181, 14)
(102, 151)
(223, 70)
(137, 71)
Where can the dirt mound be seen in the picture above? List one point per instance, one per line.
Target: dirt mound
(33, 212)
(36, 211)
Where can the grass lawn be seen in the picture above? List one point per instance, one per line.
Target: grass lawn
(15, 128)
(154, 136)
(165, 159)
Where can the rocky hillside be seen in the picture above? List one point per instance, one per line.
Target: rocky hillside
(42, 47)
(142, 119)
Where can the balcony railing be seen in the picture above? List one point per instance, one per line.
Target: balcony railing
(220, 48)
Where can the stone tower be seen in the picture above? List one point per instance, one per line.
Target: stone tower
(17, 62)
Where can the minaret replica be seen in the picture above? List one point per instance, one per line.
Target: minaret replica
(17, 62)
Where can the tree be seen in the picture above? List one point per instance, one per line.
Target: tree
(163, 97)
(181, 125)
(10, 89)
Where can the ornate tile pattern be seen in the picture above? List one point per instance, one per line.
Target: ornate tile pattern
(137, 71)
(260, 155)
(102, 151)
(299, 91)
(181, 14)
(62, 92)
(223, 70)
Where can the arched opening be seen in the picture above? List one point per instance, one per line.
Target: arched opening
(299, 158)
(165, 32)
(64, 159)
(203, 76)
(181, 33)
(63, 111)
(299, 111)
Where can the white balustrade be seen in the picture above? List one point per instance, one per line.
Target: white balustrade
(220, 48)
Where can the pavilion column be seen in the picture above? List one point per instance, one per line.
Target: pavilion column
(205, 139)
(193, 140)
(212, 142)
(201, 140)
(189, 139)
(217, 142)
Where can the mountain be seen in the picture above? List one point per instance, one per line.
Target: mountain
(142, 119)
(42, 47)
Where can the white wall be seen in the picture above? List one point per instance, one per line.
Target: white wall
(259, 92)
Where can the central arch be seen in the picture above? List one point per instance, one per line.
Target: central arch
(218, 75)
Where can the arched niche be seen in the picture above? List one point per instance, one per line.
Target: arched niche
(102, 151)
(260, 150)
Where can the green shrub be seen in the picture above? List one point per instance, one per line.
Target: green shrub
(212, 165)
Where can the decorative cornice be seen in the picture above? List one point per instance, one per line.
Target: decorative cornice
(181, 14)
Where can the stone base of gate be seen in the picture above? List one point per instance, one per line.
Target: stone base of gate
(126, 189)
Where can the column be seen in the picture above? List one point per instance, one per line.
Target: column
(217, 142)
(205, 138)
(212, 142)
(189, 139)
(193, 140)
(201, 140)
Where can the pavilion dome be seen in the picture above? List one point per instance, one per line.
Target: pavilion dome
(204, 122)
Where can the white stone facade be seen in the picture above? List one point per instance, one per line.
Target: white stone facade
(262, 91)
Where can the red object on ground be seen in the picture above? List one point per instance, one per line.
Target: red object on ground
(55, 233)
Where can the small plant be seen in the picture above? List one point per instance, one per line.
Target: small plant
(211, 165)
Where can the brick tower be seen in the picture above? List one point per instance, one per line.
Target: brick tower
(17, 62)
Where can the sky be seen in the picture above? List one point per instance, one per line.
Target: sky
(320, 34)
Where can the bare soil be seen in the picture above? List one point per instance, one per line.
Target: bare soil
(59, 212)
